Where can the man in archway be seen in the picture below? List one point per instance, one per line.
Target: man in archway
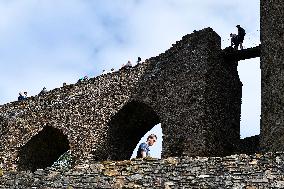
(143, 150)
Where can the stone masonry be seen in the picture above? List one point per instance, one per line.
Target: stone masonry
(236, 171)
(190, 89)
(272, 75)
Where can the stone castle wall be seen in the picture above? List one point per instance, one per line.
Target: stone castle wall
(237, 171)
(272, 75)
(250, 145)
(190, 89)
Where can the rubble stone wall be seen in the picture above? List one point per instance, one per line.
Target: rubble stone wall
(236, 171)
(190, 89)
(250, 145)
(272, 75)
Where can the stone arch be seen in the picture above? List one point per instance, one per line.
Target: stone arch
(128, 126)
(43, 149)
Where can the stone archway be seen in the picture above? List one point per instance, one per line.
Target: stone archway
(127, 127)
(43, 149)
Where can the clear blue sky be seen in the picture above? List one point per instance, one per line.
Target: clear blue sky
(48, 42)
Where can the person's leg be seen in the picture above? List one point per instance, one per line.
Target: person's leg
(236, 45)
(241, 42)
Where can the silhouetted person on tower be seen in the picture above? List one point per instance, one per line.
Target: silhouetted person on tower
(241, 35)
(234, 41)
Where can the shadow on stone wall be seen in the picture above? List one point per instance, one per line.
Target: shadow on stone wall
(43, 149)
(127, 127)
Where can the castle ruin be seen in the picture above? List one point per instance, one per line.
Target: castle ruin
(193, 90)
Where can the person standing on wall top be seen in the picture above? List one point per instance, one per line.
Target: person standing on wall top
(128, 64)
(234, 41)
(43, 91)
(143, 150)
(25, 95)
(139, 60)
(241, 35)
(20, 97)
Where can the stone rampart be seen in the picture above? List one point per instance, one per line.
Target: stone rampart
(236, 171)
(190, 89)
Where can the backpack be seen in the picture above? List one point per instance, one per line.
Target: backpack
(242, 32)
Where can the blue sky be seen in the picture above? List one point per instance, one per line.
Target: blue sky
(48, 42)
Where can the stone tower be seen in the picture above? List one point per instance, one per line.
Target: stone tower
(272, 75)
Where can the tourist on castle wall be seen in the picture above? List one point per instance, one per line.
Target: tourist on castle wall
(85, 78)
(20, 97)
(241, 35)
(234, 41)
(139, 60)
(127, 65)
(25, 95)
(143, 150)
(43, 91)
(104, 72)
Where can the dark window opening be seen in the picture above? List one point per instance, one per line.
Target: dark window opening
(43, 149)
(127, 127)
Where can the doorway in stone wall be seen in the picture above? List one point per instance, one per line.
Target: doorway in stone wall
(250, 75)
(127, 127)
(43, 149)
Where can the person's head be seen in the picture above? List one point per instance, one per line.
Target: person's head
(231, 35)
(238, 26)
(112, 69)
(25, 93)
(139, 59)
(129, 62)
(44, 88)
(152, 138)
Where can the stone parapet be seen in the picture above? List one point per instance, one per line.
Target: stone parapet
(235, 171)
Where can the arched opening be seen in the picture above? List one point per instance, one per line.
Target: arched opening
(43, 149)
(127, 127)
